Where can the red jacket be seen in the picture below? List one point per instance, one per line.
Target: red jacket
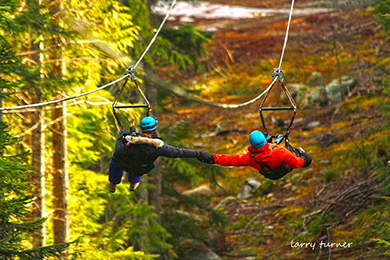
(272, 157)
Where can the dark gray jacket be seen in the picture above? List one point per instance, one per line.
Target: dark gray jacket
(137, 154)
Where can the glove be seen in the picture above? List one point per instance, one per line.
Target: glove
(206, 158)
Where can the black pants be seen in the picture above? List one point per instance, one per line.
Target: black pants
(302, 154)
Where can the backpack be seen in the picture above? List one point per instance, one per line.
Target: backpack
(276, 173)
(135, 159)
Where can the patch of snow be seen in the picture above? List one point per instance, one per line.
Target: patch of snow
(205, 10)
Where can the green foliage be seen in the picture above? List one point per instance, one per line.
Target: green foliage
(187, 217)
(185, 45)
(375, 223)
(180, 47)
(385, 103)
(361, 154)
(106, 33)
(10, 67)
(14, 202)
(266, 187)
(241, 222)
(110, 226)
(92, 37)
(370, 151)
(319, 223)
(328, 174)
(90, 135)
(90, 130)
(189, 172)
(382, 12)
(380, 158)
(383, 244)
(14, 208)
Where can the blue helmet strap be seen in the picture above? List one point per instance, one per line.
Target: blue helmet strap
(145, 129)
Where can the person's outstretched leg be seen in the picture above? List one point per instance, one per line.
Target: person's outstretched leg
(115, 175)
(134, 182)
(301, 153)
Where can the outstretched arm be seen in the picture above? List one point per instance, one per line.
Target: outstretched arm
(174, 152)
(232, 160)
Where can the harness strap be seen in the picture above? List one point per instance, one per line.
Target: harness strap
(278, 74)
(118, 121)
(150, 108)
(273, 173)
(114, 104)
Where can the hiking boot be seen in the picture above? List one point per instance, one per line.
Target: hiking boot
(133, 185)
(301, 149)
(111, 187)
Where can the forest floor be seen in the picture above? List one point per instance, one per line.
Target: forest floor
(241, 58)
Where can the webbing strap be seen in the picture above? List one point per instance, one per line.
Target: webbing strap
(150, 108)
(120, 92)
(293, 107)
(114, 106)
(118, 121)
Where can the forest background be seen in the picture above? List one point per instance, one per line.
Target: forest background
(54, 159)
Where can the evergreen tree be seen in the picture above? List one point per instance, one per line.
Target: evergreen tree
(108, 224)
(14, 202)
(110, 227)
(14, 207)
(181, 48)
(187, 217)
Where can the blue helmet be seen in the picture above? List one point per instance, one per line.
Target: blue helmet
(149, 124)
(257, 139)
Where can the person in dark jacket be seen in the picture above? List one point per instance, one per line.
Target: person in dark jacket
(136, 154)
(273, 161)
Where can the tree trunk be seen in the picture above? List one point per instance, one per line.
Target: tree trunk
(1, 120)
(1, 105)
(60, 150)
(38, 176)
(155, 175)
(60, 177)
(38, 144)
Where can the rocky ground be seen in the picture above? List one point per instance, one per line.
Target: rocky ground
(242, 56)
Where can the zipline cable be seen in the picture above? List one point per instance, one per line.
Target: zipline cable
(278, 75)
(286, 37)
(126, 76)
(222, 105)
(64, 99)
(181, 93)
(241, 104)
(279, 72)
(131, 70)
(156, 34)
(253, 100)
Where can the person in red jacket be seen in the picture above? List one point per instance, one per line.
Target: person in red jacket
(273, 161)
